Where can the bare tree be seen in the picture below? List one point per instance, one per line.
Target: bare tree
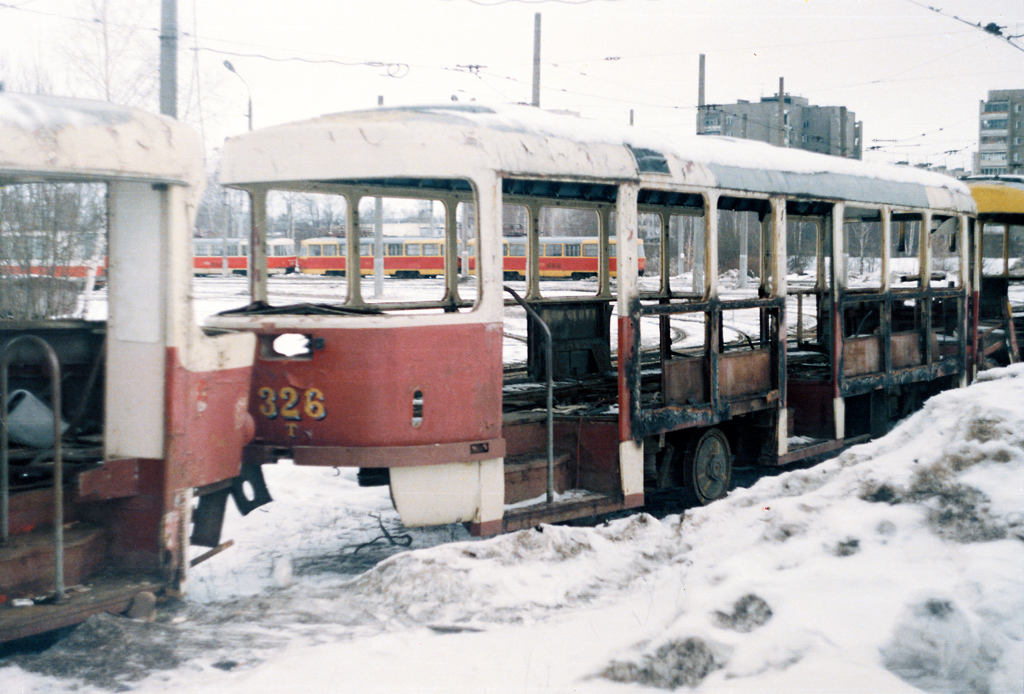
(113, 58)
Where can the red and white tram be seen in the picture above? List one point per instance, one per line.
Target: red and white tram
(568, 257)
(403, 257)
(215, 256)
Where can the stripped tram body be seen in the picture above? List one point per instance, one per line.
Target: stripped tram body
(1000, 249)
(96, 503)
(668, 393)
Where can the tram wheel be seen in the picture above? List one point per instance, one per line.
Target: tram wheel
(707, 467)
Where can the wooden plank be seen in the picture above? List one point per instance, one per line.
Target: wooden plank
(112, 595)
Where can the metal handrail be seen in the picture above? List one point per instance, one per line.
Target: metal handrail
(58, 460)
(548, 370)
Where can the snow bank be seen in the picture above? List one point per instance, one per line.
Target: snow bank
(901, 558)
(897, 567)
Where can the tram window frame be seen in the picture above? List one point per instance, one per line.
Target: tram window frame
(413, 250)
(760, 245)
(905, 250)
(946, 237)
(870, 236)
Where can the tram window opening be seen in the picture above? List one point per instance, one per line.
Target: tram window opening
(904, 249)
(689, 234)
(744, 227)
(1015, 250)
(946, 243)
(286, 346)
(862, 247)
(744, 329)
(53, 236)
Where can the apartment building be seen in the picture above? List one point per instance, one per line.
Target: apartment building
(827, 129)
(1001, 133)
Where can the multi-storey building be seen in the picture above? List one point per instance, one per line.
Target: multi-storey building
(1001, 133)
(827, 129)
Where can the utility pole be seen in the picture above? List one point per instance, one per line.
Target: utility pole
(781, 114)
(169, 58)
(701, 107)
(536, 59)
(378, 240)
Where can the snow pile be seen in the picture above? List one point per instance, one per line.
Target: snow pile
(511, 577)
(897, 567)
(901, 558)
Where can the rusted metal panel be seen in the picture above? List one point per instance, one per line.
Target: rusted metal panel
(744, 373)
(906, 350)
(811, 402)
(684, 382)
(862, 355)
(26, 564)
(208, 422)
(526, 478)
(399, 456)
(115, 479)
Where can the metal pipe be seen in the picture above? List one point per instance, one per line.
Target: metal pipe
(58, 461)
(548, 370)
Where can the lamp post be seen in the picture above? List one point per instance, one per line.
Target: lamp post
(229, 66)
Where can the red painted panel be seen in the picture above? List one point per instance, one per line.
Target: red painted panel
(359, 388)
(208, 423)
(627, 352)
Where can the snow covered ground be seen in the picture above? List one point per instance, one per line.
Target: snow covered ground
(897, 567)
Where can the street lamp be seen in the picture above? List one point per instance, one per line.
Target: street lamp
(229, 66)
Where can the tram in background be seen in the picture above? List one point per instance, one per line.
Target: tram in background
(403, 257)
(569, 257)
(110, 430)
(1000, 201)
(63, 254)
(412, 389)
(212, 256)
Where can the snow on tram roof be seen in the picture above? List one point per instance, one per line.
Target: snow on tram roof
(48, 137)
(523, 140)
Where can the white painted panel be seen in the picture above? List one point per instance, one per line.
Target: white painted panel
(135, 400)
(136, 268)
(450, 493)
(136, 351)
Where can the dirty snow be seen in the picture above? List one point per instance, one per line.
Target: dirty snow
(897, 567)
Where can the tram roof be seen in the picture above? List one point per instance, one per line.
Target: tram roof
(54, 138)
(999, 198)
(432, 146)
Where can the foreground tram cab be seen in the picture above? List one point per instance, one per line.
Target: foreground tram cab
(792, 304)
(110, 426)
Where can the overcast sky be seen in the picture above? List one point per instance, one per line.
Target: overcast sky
(912, 75)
